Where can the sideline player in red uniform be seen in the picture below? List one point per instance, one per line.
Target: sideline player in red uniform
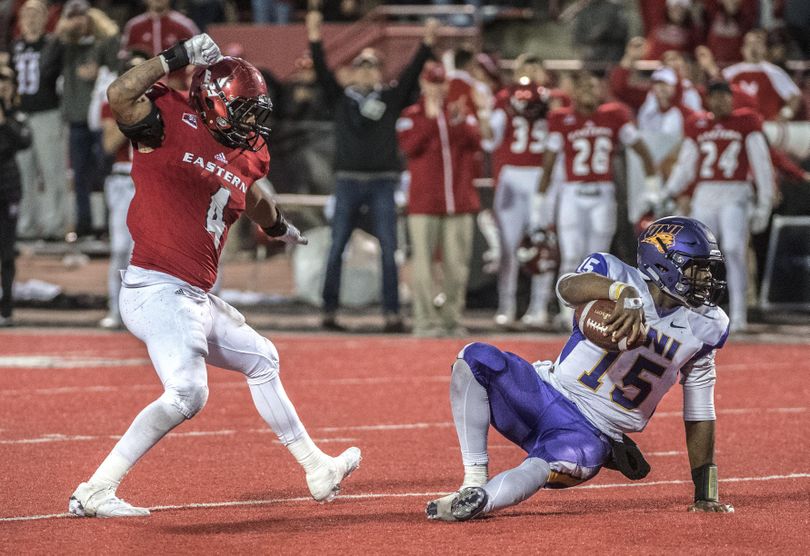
(194, 170)
(519, 133)
(587, 135)
(724, 149)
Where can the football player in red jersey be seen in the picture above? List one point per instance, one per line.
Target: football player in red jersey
(519, 130)
(587, 135)
(194, 168)
(722, 150)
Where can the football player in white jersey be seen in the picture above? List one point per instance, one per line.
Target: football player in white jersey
(571, 416)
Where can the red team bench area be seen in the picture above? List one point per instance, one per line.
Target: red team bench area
(222, 483)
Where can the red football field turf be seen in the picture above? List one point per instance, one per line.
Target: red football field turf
(222, 483)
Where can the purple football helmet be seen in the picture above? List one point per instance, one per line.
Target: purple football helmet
(681, 256)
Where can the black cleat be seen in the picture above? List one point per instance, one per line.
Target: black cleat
(469, 503)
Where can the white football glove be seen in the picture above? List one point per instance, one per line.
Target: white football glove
(538, 210)
(292, 236)
(759, 219)
(202, 50)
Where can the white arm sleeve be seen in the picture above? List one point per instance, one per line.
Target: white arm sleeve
(497, 122)
(684, 170)
(759, 160)
(782, 82)
(698, 378)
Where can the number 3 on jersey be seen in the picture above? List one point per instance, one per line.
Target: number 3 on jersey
(215, 223)
(521, 137)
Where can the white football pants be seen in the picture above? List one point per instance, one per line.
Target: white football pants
(517, 186)
(118, 191)
(183, 329)
(586, 221)
(726, 210)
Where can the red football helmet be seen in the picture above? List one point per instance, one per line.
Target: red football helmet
(231, 97)
(529, 100)
(539, 252)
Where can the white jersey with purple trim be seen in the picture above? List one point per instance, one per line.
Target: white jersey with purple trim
(618, 392)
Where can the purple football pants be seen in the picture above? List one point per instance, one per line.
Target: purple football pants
(534, 415)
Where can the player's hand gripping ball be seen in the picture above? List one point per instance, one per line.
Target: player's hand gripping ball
(595, 320)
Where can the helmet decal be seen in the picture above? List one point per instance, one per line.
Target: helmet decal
(661, 236)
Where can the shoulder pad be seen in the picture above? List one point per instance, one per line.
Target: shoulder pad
(148, 131)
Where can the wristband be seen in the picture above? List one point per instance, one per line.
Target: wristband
(705, 479)
(174, 58)
(279, 228)
(633, 303)
(616, 289)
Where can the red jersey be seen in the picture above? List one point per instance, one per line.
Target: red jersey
(155, 34)
(722, 144)
(188, 192)
(124, 152)
(767, 83)
(441, 160)
(523, 140)
(589, 141)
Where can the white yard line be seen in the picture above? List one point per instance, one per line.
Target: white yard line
(367, 496)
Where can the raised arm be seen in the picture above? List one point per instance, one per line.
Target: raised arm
(326, 78)
(409, 77)
(126, 94)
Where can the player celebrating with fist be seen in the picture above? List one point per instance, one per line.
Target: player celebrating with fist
(195, 166)
(571, 416)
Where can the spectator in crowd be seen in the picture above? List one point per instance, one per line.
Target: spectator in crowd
(727, 23)
(627, 87)
(205, 12)
(778, 97)
(14, 135)
(367, 162)
(797, 20)
(723, 149)
(342, 10)
(37, 58)
(89, 41)
(462, 81)
(662, 110)
(440, 141)
(600, 31)
(119, 190)
(271, 11)
(155, 30)
(677, 30)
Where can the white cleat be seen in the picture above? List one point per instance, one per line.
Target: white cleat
(324, 482)
(100, 501)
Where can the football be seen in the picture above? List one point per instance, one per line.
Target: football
(592, 318)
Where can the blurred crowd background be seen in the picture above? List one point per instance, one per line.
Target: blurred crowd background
(58, 58)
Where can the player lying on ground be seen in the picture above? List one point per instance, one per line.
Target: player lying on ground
(195, 166)
(570, 416)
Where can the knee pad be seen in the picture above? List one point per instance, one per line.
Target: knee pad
(188, 397)
(483, 359)
(265, 366)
